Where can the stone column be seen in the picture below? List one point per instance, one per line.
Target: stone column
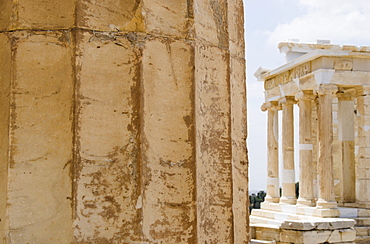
(325, 161)
(306, 193)
(123, 122)
(346, 138)
(36, 121)
(363, 171)
(273, 194)
(288, 177)
(218, 167)
(238, 121)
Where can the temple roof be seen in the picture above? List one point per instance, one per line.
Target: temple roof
(298, 53)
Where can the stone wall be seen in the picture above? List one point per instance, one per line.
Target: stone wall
(123, 122)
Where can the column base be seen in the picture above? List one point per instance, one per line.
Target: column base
(272, 199)
(364, 205)
(302, 202)
(326, 209)
(322, 204)
(288, 200)
(326, 213)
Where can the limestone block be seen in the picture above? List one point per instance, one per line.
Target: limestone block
(168, 18)
(322, 63)
(236, 29)
(6, 13)
(366, 121)
(361, 64)
(350, 78)
(239, 152)
(289, 89)
(5, 77)
(364, 152)
(347, 235)
(39, 183)
(364, 131)
(326, 213)
(307, 82)
(107, 184)
(37, 14)
(214, 171)
(267, 234)
(361, 231)
(168, 142)
(210, 22)
(298, 225)
(363, 141)
(273, 94)
(328, 224)
(364, 212)
(323, 236)
(362, 221)
(109, 15)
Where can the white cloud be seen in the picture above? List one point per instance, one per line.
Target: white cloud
(341, 21)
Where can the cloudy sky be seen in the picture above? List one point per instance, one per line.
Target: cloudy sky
(269, 22)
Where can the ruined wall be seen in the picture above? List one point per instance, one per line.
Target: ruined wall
(123, 122)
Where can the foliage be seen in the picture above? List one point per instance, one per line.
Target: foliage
(255, 200)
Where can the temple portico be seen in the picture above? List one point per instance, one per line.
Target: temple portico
(330, 84)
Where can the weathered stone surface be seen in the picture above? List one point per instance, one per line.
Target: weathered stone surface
(210, 22)
(239, 152)
(119, 124)
(5, 74)
(168, 142)
(214, 171)
(37, 14)
(323, 236)
(6, 13)
(107, 185)
(169, 18)
(328, 224)
(109, 15)
(235, 14)
(39, 183)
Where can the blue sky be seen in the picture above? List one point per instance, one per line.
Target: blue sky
(268, 22)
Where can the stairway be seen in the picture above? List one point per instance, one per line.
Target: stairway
(362, 228)
(288, 227)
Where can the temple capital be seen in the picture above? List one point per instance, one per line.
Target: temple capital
(324, 89)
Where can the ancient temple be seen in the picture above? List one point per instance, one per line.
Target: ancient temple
(330, 84)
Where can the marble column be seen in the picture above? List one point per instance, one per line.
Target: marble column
(288, 179)
(305, 148)
(363, 175)
(325, 139)
(346, 134)
(273, 194)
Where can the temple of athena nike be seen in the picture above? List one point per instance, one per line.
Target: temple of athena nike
(330, 84)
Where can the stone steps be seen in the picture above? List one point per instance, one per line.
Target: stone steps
(279, 227)
(254, 241)
(354, 212)
(362, 228)
(266, 221)
(362, 221)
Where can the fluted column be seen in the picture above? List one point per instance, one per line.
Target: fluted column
(123, 122)
(288, 179)
(325, 139)
(346, 134)
(305, 148)
(363, 175)
(272, 151)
